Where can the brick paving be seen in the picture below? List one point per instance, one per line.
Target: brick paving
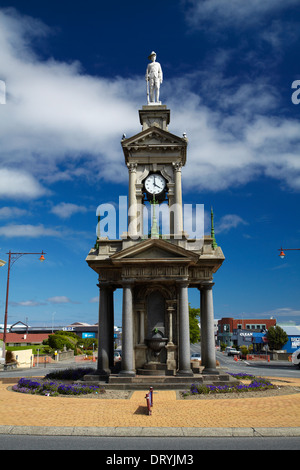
(17, 409)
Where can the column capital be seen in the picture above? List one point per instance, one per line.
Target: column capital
(183, 282)
(132, 167)
(127, 282)
(106, 285)
(177, 166)
(171, 304)
(206, 285)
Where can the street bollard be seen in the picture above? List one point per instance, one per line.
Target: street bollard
(151, 396)
(148, 400)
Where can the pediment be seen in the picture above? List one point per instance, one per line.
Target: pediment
(153, 136)
(154, 250)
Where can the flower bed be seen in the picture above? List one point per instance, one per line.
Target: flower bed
(52, 388)
(242, 376)
(257, 384)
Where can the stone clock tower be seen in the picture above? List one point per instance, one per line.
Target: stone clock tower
(155, 158)
(155, 269)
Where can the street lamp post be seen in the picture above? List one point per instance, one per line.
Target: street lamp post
(282, 253)
(12, 258)
(2, 263)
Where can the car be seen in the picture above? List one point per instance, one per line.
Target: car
(296, 357)
(196, 357)
(231, 351)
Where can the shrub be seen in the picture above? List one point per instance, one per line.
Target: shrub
(244, 350)
(9, 357)
(70, 374)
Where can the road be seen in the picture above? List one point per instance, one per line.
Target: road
(228, 364)
(258, 368)
(162, 445)
(42, 370)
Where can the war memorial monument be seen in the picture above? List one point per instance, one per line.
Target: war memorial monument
(155, 269)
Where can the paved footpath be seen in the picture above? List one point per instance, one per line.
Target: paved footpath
(262, 416)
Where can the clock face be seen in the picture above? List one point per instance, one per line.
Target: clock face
(155, 184)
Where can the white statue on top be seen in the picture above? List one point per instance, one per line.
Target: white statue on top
(154, 78)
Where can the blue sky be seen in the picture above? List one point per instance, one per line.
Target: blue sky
(74, 75)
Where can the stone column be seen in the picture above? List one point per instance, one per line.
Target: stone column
(171, 348)
(132, 201)
(207, 328)
(178, 221)
(170, 311)
(140, 209)
(110, 300)
(127, 331)
(203, 328)
(184, 331)
(142, 326)
(171, 202)
(103, 332)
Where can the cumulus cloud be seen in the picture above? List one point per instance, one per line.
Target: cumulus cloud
(236, 12)
(27, 230)
(64, 210)
(238, 138)
(60, 123)
(19, 184)
(61, 299)
(27, 303)
(12, 212)
(228, 222)
(56, 117)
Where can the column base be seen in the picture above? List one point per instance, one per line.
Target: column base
(127, 373)
(210, 371)
(185, 373)
(103, 372)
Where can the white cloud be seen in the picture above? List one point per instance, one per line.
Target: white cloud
(229, 221)
(56, 117)
(27, 303)
(286, 312)
(233, 141)
(64, 210)
(60, 124)
(60, 299)
(235, 12)
(19, 184)
(281, 314)
(12, 212)
(31, 231)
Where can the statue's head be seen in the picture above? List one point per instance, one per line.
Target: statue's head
(152, 56)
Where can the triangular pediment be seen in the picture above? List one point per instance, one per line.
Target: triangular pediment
(153, 136)
(154, 250)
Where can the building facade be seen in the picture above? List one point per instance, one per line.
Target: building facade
(239, 332)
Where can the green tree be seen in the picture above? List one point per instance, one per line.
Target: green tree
(194, 316)
(59, 340)
(87, 343)
(277, 337)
